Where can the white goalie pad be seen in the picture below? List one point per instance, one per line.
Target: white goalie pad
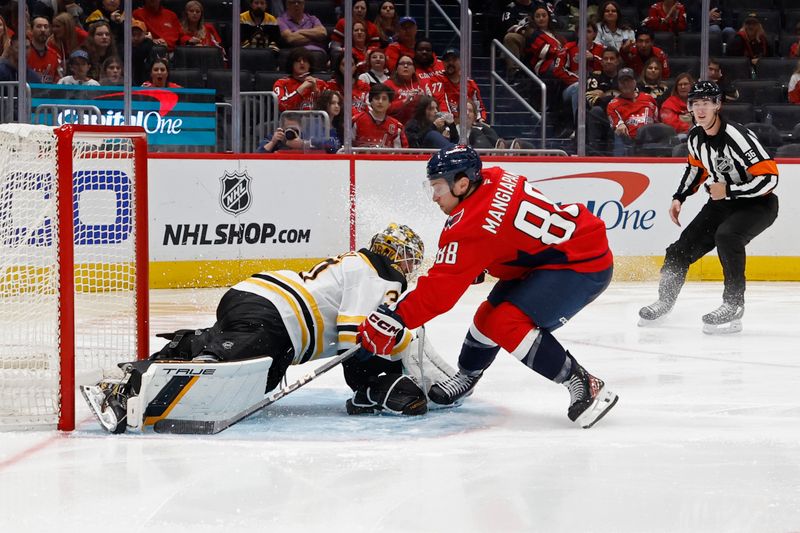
(433, 367)
(197, 390)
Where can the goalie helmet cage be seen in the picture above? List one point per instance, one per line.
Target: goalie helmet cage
(73, 265)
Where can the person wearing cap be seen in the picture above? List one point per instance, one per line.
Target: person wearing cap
(727, 161)
(163, 23)
(404, 42)
(629, 111)
(299, 28)
(640, 52)
(79, 66)
(669, 15)
(750, 41)
(144, 51)
(446, 87)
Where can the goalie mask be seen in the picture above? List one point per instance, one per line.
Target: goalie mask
(401, 245)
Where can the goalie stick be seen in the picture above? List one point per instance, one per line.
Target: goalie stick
(212, 427)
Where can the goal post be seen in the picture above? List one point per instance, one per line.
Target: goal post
(73, 264)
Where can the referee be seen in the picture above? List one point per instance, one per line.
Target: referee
(739, 176)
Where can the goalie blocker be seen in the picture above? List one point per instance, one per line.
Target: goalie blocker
(153, 390)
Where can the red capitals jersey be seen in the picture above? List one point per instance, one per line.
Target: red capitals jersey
(393, 53)
(387, 133)
(446, 93)
(426, 73)
(566, 67)
(508, 228)
(360, 93)
(657, 19)
(634, 60)
(291, 100)
(543, 51)
(406, 96)
(45, 65)
(635, 113)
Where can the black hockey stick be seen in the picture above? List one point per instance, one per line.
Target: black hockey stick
(212, 427)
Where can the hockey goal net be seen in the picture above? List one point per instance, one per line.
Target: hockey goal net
(73, 264)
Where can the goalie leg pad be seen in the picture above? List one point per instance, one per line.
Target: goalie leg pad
(433, 369)
(393, 393)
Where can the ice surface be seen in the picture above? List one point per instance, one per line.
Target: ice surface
(705, 438)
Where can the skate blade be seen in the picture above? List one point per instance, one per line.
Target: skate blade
(644, 323)
(602, 404)
(734, 326)
(94, 397)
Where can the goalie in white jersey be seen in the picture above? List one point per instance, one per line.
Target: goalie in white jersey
(289, 317)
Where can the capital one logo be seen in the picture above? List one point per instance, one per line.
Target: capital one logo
(235, 196)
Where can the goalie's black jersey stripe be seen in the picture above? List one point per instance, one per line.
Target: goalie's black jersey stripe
(307, 316)
(347, 327)
(383, 266)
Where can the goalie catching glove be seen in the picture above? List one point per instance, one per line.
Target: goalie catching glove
(379, 333)
(393, 393)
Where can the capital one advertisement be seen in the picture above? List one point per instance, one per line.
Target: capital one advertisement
(169, 116)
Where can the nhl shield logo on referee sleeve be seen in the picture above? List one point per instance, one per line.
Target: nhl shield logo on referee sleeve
(235, 196)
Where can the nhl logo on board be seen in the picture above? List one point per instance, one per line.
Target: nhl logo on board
(723, 164)
(235, 196)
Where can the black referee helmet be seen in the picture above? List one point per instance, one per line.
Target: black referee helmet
(705, 89)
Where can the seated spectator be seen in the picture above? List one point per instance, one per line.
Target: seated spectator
(65, 38)
(545, 47)
(750, 41)
(794, 49)
(195, 31)
(164, 26)
(109, 11)
(331, 102)
(674, 109)
(446, 88)
(719, 22)
(570, 9)
(371, 36)
(100, 46)
(603, 86)
(652, 79)
(111, 72)
(481, 134)
(387, 23)
(516, 28)
(426, 64)
(5, 35)
(299, 29)
(611, 31)
(79, 67)
(407, 89)
(729, 91)
(360, 89)
(299, 90)
(629, 111)
(568, 64)
(9, 63)
(144, 52)
(258, 28)
(794, 85)
(159, 76)
(42, 59)
(376, 62)
(403, 45)
(637, 55)
(288, 137)
(359, 47)
(374, 127)
(668, 15)
(429, 128)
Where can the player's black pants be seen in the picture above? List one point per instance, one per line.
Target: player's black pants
(728, 225)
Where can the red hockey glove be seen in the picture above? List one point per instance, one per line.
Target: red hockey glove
(379, 332)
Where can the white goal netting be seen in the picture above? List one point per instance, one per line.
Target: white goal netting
(104, 302)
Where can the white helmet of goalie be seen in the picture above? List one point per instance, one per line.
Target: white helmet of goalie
(401, 245)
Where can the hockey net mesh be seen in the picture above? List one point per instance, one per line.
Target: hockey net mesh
(103, 199)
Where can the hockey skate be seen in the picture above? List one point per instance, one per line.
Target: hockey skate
(727, 318)
(654, 313)
(108, 402)
(453, 389)
(590, 399)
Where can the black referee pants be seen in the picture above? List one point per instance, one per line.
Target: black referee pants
(728, 225)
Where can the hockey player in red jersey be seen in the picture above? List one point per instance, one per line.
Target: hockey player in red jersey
(551, 261)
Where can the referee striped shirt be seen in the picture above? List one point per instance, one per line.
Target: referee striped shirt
(733, 156)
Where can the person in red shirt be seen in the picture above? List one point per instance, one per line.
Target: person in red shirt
(426, 64)
(360, 88)
(567, 65)
(42, 59)
(65, 39)
(407, 88)
(674, 109)
(629, 111)
(359, 15)
(545, 46)
(551, 260)
(195, 31)
(750, 41)
(669, 15)
(794, 85)
(404, 42)
(162, 23)
(637, 55)
(159, 76)
(446, 87)
(374, 127)
(299, 89)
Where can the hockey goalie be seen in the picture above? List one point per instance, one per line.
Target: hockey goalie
(273, 320)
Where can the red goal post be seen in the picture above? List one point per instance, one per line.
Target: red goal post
(73, 264)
